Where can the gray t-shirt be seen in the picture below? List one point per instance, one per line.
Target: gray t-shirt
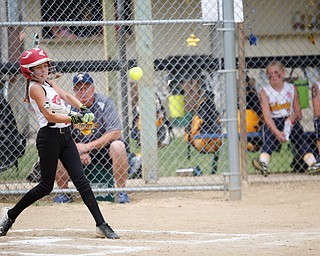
(107, 119)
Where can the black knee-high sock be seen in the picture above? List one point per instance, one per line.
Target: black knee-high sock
(27, 200)
(91, 202)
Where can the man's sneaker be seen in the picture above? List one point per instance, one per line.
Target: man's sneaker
(104, 230)
(260, 166)
(5, 221)
(123, 198)
(62, 199)
(314, 169)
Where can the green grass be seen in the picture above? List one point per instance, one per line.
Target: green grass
(25, 165)
(280, 161)
(171, 158)
(174, 156)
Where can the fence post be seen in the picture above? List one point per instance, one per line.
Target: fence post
(231, 98)
(242, 102)
(147, 93)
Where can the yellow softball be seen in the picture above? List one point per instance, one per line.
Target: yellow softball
(135, 73)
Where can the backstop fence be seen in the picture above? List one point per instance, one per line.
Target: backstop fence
(204, 58)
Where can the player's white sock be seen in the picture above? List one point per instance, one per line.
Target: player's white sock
(309, 159)
(265, 158)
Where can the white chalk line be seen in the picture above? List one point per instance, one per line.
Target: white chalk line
(106, 249)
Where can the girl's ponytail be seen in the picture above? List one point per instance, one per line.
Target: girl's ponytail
(27, 98)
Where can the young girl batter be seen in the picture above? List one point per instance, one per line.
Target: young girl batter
(54, 140)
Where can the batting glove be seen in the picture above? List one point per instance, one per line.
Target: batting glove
(87, 115)
(76, 118)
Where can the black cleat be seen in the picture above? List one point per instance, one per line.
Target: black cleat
(260, 166)
(314, 169)
(104, 230)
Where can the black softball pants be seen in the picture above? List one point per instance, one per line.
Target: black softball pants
(54, 144)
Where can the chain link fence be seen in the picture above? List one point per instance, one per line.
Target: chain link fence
(176, 118)
(285, 31)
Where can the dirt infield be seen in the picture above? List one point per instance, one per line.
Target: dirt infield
(281, 219)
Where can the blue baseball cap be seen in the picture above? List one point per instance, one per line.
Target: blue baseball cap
(82, 78)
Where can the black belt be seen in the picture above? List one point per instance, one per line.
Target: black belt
(63, 130)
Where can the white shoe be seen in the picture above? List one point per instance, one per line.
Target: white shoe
(5, 221)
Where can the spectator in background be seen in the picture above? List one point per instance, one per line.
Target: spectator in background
(253, 112)
(253, 103)
(104, 145)
(280, 103)
(316, 111)
(252, 97)
(62, 32)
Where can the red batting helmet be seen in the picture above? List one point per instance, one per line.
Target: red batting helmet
(32, 58)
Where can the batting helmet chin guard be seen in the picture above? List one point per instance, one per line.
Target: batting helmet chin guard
(32, 58)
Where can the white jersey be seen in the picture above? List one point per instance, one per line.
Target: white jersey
(54, 102)
(280, 103)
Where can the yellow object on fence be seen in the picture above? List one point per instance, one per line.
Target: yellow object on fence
(176, 106)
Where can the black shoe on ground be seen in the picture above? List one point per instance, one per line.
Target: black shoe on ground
(5, 221)
(104, 230)
(314, 169)
(260, 166)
